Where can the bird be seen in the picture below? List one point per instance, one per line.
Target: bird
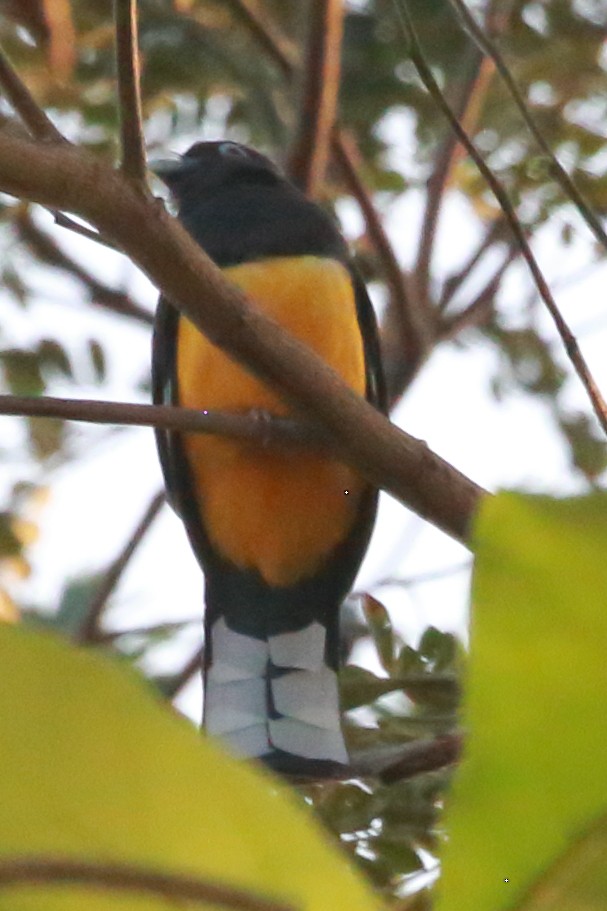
(279, 534)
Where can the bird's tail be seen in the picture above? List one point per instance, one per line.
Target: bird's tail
(273, 694)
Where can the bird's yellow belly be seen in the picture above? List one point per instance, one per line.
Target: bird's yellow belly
(280, 512)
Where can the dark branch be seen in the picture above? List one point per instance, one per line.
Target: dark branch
(406, 347)
(42, 870)
(437, 184)
(127, 62)
(480, 308)
(193, 666)
(570, 344)
(274, 43)
(424, 756)
(26, 106)
(310, 152)
(102, 295)
(456, 280)
(260, 428)
(89, 631)
(389, 763)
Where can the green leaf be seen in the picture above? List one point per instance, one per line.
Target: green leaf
(96, 769)
(358, 686)
(22, 371)
(534, 773)
(578, 879)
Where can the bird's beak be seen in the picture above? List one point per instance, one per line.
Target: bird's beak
(169, 168)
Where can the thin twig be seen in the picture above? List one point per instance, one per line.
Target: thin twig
(439, 179)
(26, 106)
(64, 221)
(571, 346)
(89, 630)
(276, 45)
(424, 756)
(310, 151)
(390, 763)
(456, 280)
(102, 295)
(567, 184)
(43, 870)
(193, 666)
(152, 631)
(420, 579)
(261, 428)
(479, 309)
(412, 335)
(127, 62)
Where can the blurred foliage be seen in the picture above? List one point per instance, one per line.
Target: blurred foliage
(526, 816)
(96, 770)
(393, 830)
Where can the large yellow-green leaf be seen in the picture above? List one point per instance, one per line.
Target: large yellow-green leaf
(93, 767)
(578, 879)
(535, 774)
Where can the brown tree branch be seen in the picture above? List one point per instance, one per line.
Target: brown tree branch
(456, 280)
(26, 106)
(127, 63)
(570, 344)
(567, 184)
(424, 756)
(89, 630)
(74, 180)
(389, 763)
(45, 870)
(260, 428)
(437, 184)
(480, 308)
(406, 346)
(401, 368)
(274, 43)
(47, 251)
(310, 152)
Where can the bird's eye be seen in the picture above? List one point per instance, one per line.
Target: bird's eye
(232, 150)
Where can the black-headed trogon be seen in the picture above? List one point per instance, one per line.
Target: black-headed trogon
(279, 534)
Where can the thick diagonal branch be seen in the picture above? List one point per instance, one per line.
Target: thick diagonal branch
(74, 180)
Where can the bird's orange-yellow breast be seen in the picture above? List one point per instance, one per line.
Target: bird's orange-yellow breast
(282, 512)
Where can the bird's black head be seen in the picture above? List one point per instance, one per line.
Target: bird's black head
(208, 166)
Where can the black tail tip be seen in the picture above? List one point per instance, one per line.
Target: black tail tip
(292, 766)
